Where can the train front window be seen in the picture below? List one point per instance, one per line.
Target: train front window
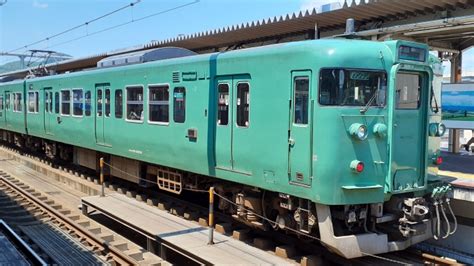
(408, 91)
(344, 87)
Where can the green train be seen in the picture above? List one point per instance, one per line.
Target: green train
(323, 137)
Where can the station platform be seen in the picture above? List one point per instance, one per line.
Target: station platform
(180, 234)
(458, 170)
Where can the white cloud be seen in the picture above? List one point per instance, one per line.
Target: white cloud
(310, 4)
(37, 4)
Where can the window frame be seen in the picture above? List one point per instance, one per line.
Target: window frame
(72, 106)
(236, 106)
(15, 110)
(126, 103)
(36, 102)
(148, 104)
(61, 102)
(229, 106)
(355, 69)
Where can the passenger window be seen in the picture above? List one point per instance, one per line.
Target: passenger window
(159, 104)
(179, 105)
(118, 104)
(107, 102)
(78, 102)
(243, 104)
(301, 100)
(87, 105)
(1, 105)
(408, 91)
(33, 102)
(99, 103)
(223, 104)
(56, 102)
(65, 102)
(17, 106)
(135, 103)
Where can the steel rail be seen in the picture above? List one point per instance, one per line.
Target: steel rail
(116, 254)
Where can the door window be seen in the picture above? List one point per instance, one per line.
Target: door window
(223, 104)
(99, 103)
(107, 102)
(243, 104)
(408, 91)
(7, 101)
(301, 100)
(56, 102)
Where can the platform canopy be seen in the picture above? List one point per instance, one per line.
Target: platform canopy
(446, 25)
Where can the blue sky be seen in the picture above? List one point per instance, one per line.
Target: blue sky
(26, 21)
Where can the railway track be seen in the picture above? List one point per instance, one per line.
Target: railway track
(63, 237)
(297, 250)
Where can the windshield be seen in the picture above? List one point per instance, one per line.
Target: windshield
(352, 87)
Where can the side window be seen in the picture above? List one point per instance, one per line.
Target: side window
(17, 103)
(243, 104)
(179, 105)
(107, 102)
(223, 104)
(118, 104)
(33, 102)
(87, 105)
(65, 102)
(158, 104)
(56, 102)
(301, 100)
(78, 102)
(99, 102)
(135, 103)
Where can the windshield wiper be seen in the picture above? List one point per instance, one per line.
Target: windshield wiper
(369, 103)
(433, 97)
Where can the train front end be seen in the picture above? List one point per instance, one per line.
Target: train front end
(384, 200)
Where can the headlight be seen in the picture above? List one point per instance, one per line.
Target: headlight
(380, 130)
(436, 129)
(358, 131)
(441, 129)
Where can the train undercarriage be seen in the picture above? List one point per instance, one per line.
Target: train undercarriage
(350, 230)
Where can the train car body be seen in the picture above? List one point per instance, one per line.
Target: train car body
(335, 131)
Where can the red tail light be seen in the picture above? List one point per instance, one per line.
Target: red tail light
(360, 167)
(439, 160)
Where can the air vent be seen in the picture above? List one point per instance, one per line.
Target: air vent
(176, 77)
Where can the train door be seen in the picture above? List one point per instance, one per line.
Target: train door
(300, 129)
(223, 137)
(102, 112)
(408, 130)
(49, 116)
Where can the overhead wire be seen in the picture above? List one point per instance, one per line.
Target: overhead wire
(85, 24)
(126, 23)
